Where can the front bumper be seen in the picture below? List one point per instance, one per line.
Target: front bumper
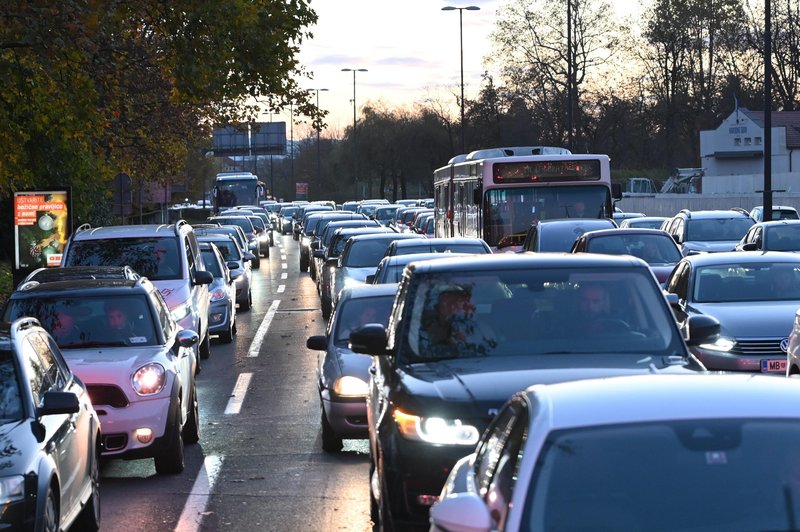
(347, 417)
(725, 361)
(118, 426)
(219, 316)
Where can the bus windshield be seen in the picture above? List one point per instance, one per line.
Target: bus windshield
(509, 212)
(235, 192)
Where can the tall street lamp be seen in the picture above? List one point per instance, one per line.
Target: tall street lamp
(355, 145)
(461, 40)
(319, 163)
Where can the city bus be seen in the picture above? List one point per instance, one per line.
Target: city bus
(237, 188)
(497, 194)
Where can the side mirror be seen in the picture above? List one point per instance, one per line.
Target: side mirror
(187, 338)
(462, 511)
(249, 256)
(750, 246)
(317, 343)
(370, 279)
(616, 191)
(331, 262)
(672, 299)
(59, 403)
(235, 273)
(314, 245)
(369, 339)
(318, 253)
(703, 329)
(203, 277)
(252, 246)
(232, 265)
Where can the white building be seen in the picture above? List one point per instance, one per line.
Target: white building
(733, 154)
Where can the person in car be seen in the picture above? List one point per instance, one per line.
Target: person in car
(64, 329)
(117, 320)
(454, 328)
(596, 310)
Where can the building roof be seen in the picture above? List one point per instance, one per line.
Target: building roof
(788, 119)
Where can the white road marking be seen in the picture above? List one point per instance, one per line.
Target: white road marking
(284, 265)
(284, 275)
(255, 346)
(281, 288)
(283, 257)
(239, 391)
(196, 503)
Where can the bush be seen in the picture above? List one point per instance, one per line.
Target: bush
(6, 281)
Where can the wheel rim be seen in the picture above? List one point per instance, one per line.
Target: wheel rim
(96, 487)
(50, 513)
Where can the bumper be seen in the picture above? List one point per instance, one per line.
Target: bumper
(348, 418)
(720, 361)
(219, 317)
(118, 427)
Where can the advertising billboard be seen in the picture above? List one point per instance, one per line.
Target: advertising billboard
(41, 228)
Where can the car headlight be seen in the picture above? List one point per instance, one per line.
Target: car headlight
(435, 430)
(217, 294)
(12, 488)
(181, 311)
(263, 237)
(149, 379)
(349, 386)
(723, 344)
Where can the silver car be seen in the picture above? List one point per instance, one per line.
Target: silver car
(342, 375)
(235, 261)
(645, 452)
(222, 290)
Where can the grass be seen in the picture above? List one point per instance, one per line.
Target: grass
(6, 283)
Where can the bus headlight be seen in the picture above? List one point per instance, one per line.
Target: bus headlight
(435, 430)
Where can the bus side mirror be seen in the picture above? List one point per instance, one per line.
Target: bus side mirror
(616, 191)
(476, 196)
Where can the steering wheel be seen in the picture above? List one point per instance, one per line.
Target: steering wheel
(611, 325)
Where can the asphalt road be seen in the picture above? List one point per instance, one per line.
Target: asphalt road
(259, 464)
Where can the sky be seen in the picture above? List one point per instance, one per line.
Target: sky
(410, 49)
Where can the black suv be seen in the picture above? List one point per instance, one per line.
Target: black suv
(708, 231)
(441, 371)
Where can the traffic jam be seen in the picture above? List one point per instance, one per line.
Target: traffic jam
(514, 353)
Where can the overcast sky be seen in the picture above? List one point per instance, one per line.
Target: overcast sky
(410, 49)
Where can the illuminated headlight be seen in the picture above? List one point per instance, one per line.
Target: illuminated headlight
(181, 311)
(217, 294)
(722, 344)
(149, 379)
(349, 386)
(435, 430)
(12, 488)
(263, 237)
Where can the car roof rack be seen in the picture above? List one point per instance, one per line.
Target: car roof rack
(83, 227)
(687, 212)
(180, 223)
(741, 210)
(24, 323)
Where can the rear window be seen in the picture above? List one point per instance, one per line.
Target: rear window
(244, 223)
(211, 263)
(353, 313)
(365, 253)
(155, 258)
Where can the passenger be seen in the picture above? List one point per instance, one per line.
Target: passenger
(165, 263)
(117, 320)
(454, 330)
(784, 282)
(64, 330)
(650, 253)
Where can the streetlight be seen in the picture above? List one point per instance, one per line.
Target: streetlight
(319, 164)
(461, 40)
(355, 146)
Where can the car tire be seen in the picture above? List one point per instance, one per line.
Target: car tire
(303, 263)
(374, 512)
(331, 442)
(191, 430)
(52, 517)
(385, 521)
(312, 272)
(205, 347)
(89, 518)
(326, 307)
(247, 304)
(226, 337)
(234, 330)
(171, 460)
(256, 263)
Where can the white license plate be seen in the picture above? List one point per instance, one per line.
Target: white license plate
(773, 366)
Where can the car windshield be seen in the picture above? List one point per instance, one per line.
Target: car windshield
(10, 399)
(366, 253)
(645, 224)
(756, 281)
(717, 229)
(782, 214)
(87, 322)
(430, 246)
(651, 248)
(783, 237)
(212, 264)
(257, 222)
(651, 476)
(353, 313)
(535, 312)
(228, 249)
(242, 222)
(560, 237)
(385, 214)
(155, 258)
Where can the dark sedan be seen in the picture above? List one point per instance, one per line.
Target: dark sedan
(466, 333)
(753, 295)
(49, 433)
(778, 235)
(655, 247)
(560, 234)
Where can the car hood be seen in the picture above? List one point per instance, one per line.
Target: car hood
(753, 319)
(470, 387)
(711, 247)
(114, 365)
(174, 291)
(19, 447)
(350, 363)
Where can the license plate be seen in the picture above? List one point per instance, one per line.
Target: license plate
(773, 366)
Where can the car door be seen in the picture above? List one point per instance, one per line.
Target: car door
(184, 357)
(60, 440)
(200, 299)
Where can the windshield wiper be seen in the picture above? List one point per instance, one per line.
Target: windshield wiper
(83, 345)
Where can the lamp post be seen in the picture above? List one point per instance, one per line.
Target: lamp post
(461, 41)
(767, 199)
(319, 163)
(355, 145)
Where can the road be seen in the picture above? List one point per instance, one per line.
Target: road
(259, 464)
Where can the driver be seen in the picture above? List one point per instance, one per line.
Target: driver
(595, 306)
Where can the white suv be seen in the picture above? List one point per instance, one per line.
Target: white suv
(168, 255)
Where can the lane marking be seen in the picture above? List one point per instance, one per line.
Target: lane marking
(284, 265)
(239, 391)
(284, 275)
(283, 257)
(281, 288)
(255, 346)
(196, 503)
